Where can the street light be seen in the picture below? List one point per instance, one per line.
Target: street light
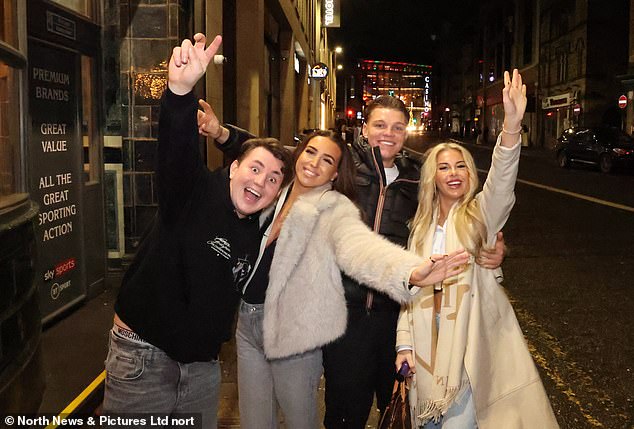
(339, 67)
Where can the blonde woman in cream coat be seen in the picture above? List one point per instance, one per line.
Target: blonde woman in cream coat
(471, 364)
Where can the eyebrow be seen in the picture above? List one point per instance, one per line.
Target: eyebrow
(446, 163)
(326, 155)
(258, 162)
(261, 164)
(381, 121)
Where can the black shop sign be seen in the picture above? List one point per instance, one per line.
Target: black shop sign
(55, 156)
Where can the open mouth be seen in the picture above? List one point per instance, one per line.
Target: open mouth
(386, 143)
(252, 194)
(454, 183)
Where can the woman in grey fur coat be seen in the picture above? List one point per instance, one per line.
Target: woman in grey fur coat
(294, 301)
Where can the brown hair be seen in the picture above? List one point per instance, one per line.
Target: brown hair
(386, 102)
(276, 148)
(346, 170)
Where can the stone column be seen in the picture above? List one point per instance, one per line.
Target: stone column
(214, 82)
(250, 101)
(288, 122)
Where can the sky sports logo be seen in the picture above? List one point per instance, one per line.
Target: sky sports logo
(60, 269)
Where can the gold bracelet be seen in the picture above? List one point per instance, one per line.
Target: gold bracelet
(511, 133)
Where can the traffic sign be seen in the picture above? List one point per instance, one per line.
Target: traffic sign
(622, 101)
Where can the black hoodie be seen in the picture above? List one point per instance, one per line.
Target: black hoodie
(182, 289)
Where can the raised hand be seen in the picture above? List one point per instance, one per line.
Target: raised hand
(189, 63)
(514, 98)
(439, 267)
(208, 123)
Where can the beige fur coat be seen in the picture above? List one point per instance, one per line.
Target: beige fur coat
(305, 307)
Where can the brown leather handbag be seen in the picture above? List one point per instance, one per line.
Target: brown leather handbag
(397, 414)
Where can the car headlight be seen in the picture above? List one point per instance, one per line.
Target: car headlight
(620, 151)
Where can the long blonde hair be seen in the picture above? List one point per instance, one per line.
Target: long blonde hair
(469, 223)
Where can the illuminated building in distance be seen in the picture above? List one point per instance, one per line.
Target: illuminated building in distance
(412, 83)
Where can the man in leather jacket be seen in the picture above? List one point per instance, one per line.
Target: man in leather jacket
(362, 361)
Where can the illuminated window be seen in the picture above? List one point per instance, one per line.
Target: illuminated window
(8, 20)
(10, 111)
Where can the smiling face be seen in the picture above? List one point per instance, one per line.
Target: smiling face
(387, 129)
(255, 181)
(318, 163)
(452, 176)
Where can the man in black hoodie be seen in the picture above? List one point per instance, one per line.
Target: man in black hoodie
(177, 301)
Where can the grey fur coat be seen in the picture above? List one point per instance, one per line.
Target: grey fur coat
(323, 233)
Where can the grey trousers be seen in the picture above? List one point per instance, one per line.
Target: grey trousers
(264, 385)
(142, 381)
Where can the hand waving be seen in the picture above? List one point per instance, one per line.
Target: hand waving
(514, 98)
(189, 63)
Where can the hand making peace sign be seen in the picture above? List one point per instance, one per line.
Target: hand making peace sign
(189, 63)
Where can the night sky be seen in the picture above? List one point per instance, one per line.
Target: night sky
(399, 30)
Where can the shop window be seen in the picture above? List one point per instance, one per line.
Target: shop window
(11, 62)
(9, 134)
(83, 7)
(8, 20)
(562, 67)
(90, 143)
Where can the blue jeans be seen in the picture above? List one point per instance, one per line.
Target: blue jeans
(142, 379)
(263, 385)
(461, 414)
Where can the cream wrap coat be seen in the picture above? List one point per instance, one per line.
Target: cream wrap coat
(323, 233)
(507, 390)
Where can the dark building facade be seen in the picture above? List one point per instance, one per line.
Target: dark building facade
(573, 56)
(583, 48)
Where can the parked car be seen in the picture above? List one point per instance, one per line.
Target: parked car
(601, 146)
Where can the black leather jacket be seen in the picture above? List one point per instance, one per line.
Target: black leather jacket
(386, 209)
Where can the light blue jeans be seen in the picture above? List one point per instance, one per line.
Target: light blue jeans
(461, 414)
(142, 380)
(263, 385)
